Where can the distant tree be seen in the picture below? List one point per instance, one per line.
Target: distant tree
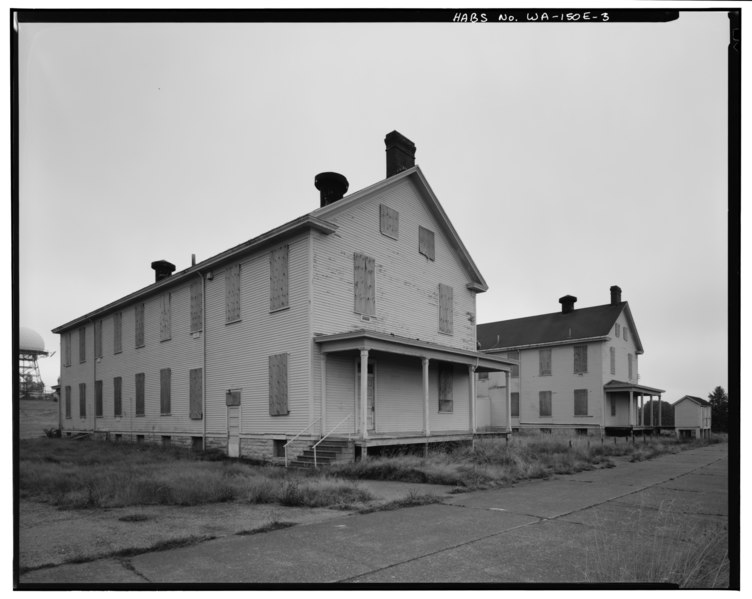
(667, 413)
(719, 409)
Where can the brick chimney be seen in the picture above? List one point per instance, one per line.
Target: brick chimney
(400, 153)
(162, 269)
(332, 186)
(615, 295)
(567, 303)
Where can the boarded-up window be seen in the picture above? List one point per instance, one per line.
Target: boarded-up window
(514, 368)
(195, 393)
(67, 401)
(617, 329)
(117, 333)
(82, 344)
(580, 359)
(515, 401)
(446, 309)
(232, 293)
(580, 402)
(165, 382)
(278, 385)
(365, 284)
(97, 338)
(197, 307)
(544, 362)
(232, 397)
(117, 384)
(165, 318)
(544, 403)
(140, 325)
(98, 407)
(278, 278)
(612, 359)
(67, 347)
(624, 334)
(140, 393)
(446, 388)
(82, 400)
(613, 406)
(426, 243)
(389, 221)
(629, 365)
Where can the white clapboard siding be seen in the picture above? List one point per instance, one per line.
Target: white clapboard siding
(622, 350)
(239, 352)
(399, 394)
(407, 282)
(341, 393)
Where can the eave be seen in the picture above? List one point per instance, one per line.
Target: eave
(547, 344)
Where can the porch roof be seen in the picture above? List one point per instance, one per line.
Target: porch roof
(614, 385)
(394, 344)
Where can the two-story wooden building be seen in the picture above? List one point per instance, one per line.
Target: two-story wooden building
(576, 370)
(692, 417)
(371, 295)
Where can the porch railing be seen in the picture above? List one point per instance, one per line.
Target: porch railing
(298, 435)
(340, 423)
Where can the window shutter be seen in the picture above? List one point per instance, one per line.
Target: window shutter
(197, 308)
(617, 329)
(82, 344)
(82, 400)
(232, 293)
(544, 400)
(629, 364)
(278, 385)
(165, 322)
(364, 279)
(446, 388)
(544, 359)
(426, 243)
(446, 309)
(67, 401)
(232, 397)
(164, 391)
(278, 275)
(624, 331)
(140, 393)
(98, 339)
(67, 357)
(580, 359)
(515, 401)
(118, 395)
(195, 393)
(580, 402)
(117, 325)
(98, 408)
(140, 325)
(612, 358)
(389, 222)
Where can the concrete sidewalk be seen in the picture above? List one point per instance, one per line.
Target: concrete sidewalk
(574, 528)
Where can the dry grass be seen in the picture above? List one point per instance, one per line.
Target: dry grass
(90, 474)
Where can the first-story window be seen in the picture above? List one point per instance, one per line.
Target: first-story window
(117, 384)
(446, 388)
(544, 403)
(165, 399)
(67, 401)
(140, 394)
(580, 402)
(278, 385)
(195, 393)
(613, 406)
(98, 401)
(515, 401)
(82, 400)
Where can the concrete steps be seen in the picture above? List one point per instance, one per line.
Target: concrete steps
(328, 452)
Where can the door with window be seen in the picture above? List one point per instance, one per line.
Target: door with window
(371, 397)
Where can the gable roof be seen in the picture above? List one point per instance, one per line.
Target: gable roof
(414, 174)
(697, 400)
(556, 328)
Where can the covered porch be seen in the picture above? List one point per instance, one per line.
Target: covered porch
(380, 389)
(623, 412)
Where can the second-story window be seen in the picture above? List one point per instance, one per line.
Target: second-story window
(365, 284)
(624, 332)
(165, 318)
(446, 309)
(544, 362)
(388, 221)
(514, 368)
(98, 339)
(426, 243)
(117, 333)
(67, 349)
(140, 308)
(580, 359)
(617, 329)
(197, 307)
(612, 359)
(232, 294)
(278, 278)
(82, 344)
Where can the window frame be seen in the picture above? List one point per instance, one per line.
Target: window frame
(545, 399)
(544, 361)
(583, 396)
(580, 365)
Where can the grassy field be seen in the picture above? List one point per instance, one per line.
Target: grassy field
(36, 415)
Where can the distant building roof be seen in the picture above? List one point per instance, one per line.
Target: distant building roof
(556, 327)
(702, 402)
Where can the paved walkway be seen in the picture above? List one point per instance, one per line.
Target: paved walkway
(617, 524)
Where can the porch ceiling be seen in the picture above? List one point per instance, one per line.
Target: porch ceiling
(371, 340)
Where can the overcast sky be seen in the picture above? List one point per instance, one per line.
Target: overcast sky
(569, 157)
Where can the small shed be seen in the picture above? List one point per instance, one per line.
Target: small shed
(692, 417)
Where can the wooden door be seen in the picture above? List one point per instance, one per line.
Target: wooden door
(371, 395)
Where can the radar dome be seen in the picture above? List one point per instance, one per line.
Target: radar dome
(30, 340)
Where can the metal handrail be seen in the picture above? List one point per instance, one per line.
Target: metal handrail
(345, 419)
(298, 435)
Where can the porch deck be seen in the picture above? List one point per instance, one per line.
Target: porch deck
(419, 437)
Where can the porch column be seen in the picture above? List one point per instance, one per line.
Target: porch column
(426, 421)
(471, 381)
(364, 393)
(631, 408)
(642, 410)
(323, 394)
(659, 410)
(652, 409)
(604, 405)
(507, 374)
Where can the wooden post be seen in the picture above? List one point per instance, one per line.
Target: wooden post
(426, 412)
(364, 396)
(323, 394)
(659, 410)
(507, 374)
(471, 377)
